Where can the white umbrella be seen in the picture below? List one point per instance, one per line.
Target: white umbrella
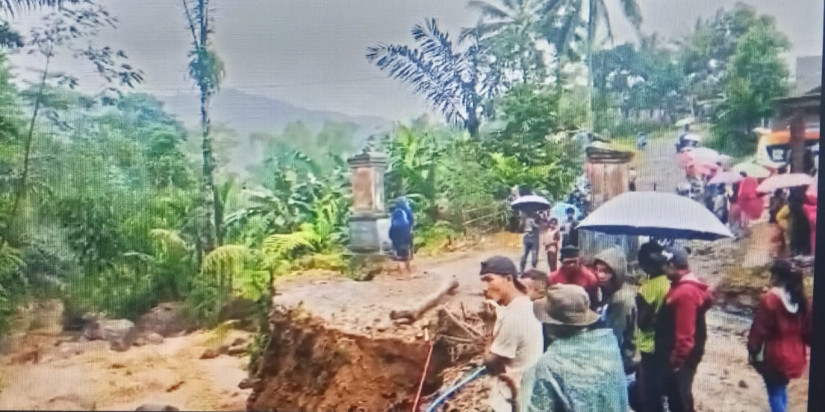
(784, 181)
(726, 178)
(659, 214)
(752, 170)
(530, 202)
(706, 156)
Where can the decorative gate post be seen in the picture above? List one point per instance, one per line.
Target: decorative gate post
(369, 221)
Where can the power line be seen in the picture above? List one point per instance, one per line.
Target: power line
(276, 86)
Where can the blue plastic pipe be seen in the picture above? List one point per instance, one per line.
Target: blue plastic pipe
(449, 392)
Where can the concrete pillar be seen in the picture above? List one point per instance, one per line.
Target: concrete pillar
(369, 221)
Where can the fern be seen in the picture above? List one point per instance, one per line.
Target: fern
(225, 260)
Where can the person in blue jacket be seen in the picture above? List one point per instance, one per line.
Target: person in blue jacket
(401, 228)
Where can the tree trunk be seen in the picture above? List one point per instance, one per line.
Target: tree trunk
(208, 188)
(591, 33)
(797, 143)
(24, 176)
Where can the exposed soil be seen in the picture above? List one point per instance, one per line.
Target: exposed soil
(310, 366)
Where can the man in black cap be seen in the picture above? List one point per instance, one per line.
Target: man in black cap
(681, 331)
(517, 334)
(572, 272)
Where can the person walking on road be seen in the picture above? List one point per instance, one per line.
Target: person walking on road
(781, 333)
(531, 240)
(552, 243)
(581, 370)
(681, 330)
(517, 335)
(401, 235)
(649, 301)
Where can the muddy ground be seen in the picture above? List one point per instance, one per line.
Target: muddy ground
(339, 351)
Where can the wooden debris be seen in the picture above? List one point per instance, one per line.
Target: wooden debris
(412, 315)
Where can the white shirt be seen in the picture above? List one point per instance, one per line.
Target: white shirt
(517, 335)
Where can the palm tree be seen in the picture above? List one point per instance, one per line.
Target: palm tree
(449, 79)
(13, 7)
(207, 70)
(511, 27)
(571, 11)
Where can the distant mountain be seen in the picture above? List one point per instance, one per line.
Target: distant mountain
(247, 113)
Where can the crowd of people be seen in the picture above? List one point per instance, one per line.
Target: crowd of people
(582, 338)
(791, 211)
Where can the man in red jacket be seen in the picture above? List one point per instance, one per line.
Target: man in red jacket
(681, 331)
(572, 272)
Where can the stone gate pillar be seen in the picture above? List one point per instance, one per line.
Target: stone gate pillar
(369, 221)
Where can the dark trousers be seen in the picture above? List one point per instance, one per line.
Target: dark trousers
(553, 260)
(648, 397)
(679, 388)
(531, 247)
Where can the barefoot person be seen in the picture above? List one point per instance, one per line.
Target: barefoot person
(781, 333)
(517, 335)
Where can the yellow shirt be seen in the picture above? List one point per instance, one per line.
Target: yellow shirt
(653, 291)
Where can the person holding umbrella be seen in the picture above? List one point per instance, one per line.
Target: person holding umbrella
(649, 301)
(531, 240)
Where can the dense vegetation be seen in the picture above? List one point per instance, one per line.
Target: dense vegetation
(109, 203)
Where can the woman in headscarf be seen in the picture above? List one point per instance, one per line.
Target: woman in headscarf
(810, 212)
(401, 233)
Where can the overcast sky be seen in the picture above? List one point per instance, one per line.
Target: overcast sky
(311, 52)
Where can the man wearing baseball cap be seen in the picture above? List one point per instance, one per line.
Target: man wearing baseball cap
(517, 334)
(681, 331)
(572, 272)
(581, 370)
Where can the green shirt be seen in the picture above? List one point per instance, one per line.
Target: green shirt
(653, 291)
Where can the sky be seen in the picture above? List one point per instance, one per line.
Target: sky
(310, 53)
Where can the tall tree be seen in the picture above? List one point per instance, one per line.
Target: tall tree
(511, 30)
(61, 32)
(207, 70)
(597, 15)
(13, 7)
(448, 77)
(756, 74)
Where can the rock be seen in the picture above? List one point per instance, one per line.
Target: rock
(67, 350)
(167, 319)
(71, 402)
(248, 383)
(141, 341)
(239, 341)
(154, 338)
(236, 350)
(743, 384)
(211, 353)
(157, 408)
(242, 310)
(120, 333)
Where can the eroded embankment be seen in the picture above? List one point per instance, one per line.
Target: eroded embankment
(308, 365)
